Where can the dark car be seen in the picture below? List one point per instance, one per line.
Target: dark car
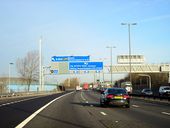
(146, 91)
(115, 96)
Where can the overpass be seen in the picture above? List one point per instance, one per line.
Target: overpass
(140, 68)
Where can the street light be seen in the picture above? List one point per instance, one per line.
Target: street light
(111, 61)
(9, 79)
(40, 64)
(149, 77)
(129, 24)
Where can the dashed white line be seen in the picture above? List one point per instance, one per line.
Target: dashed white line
(166, 113)
(22, 124)
(82, 96)
(103, 113)
(13, 102)
(136, 106)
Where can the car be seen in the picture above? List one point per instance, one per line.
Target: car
(164, 90)
(102, 90)
(146, 91)
(78, 88)
(115, 96)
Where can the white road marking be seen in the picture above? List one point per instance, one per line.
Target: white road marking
(87, 102)
(82, 96)
(17, 101)
(103, 113)
(22, 124)
(136, 106)
(166, 113)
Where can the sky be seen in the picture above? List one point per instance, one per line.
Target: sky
(83, 27)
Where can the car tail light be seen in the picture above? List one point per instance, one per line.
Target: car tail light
(126, 96)
(109, 96)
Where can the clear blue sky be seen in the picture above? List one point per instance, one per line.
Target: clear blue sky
(84, 27)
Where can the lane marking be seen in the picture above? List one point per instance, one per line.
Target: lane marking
(166, 113)
(13, 102)
(136, 106)
(22, 124)
(82, 96)
(103, 113)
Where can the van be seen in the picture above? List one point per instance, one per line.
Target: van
(164, 90)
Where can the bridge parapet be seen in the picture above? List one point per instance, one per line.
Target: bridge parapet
(143, 68)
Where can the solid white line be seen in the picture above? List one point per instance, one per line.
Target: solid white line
(136, 106)
(166, 113)
(22, 124)
(103, 113)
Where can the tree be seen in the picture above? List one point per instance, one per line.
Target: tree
(71, 83)
(28, 67)
(3, 84)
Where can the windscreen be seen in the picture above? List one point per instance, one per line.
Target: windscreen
(117, 91)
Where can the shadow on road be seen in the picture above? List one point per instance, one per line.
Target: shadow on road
(93, 104)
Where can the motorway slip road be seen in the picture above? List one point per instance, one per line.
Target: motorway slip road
(82, 110)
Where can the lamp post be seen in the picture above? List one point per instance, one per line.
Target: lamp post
(129, 25)
(9, 78)
(149, 77)
(40, 64)
(111, 47)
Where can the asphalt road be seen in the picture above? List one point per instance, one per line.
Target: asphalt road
(82, 110)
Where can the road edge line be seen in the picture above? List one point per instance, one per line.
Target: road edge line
(23, 123)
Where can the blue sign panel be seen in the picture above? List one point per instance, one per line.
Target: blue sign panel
(70, 58)
(86, 66)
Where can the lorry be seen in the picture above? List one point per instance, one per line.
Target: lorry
(127, 85)
(85, 86)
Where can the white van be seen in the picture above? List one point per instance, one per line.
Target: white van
(164, 90)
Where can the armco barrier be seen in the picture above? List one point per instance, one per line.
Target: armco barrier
(167, 98)
(17, 94)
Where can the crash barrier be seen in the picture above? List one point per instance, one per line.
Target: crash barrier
(153, 97)
(161, 98)
(17, 94)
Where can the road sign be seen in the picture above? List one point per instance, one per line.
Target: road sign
(69, 58)
(86, 66)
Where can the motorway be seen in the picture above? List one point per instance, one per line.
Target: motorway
(81, 110)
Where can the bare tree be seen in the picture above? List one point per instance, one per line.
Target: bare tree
(71, 83)
(28, 67)
(3, 84)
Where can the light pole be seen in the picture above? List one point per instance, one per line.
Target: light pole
(111, 47)
(9, 79)
(129, 25)
(40, 64)
(149, 77)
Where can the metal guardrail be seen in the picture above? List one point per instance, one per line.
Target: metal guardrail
(167, 98)
(17, 94)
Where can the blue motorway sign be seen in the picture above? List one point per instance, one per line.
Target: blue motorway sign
(86, 66)
(69, 58)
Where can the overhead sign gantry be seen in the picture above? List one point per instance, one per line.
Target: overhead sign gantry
(74, 64)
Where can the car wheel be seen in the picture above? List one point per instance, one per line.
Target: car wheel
(102, 104)
(127, 106)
